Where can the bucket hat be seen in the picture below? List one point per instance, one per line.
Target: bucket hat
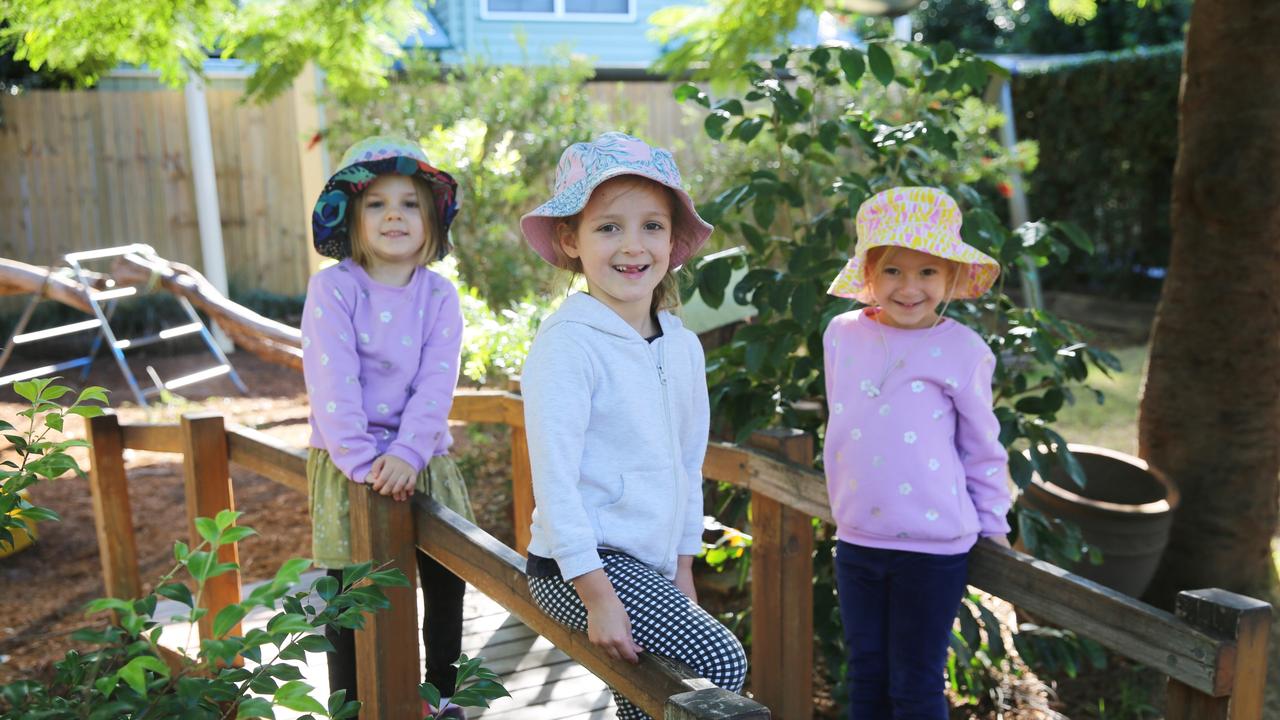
(918, 218)
(363, 163)
(583, 166)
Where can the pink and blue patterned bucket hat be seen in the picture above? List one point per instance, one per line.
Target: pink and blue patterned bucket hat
(359, 167)
(917, 218)
(583, 166)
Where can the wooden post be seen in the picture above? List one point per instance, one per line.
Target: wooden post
(521, 475)
(112, 517)
(1241, 674)
(713, 704)
(782, 591)
(387, 666)
(206, 469)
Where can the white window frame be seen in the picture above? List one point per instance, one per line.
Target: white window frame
(558, 14)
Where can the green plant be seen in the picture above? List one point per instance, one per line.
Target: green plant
(39, 457)
(476, 686)
(126, 674)
(842, 124)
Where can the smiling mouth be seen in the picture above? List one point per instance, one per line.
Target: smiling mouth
(631, 269)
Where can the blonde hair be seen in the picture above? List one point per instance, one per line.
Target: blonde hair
(881, 255)
(434, 245)
(666, 296)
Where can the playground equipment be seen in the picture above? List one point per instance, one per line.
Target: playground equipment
(136, 268)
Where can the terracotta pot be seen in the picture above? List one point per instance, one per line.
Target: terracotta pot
(1125, 510)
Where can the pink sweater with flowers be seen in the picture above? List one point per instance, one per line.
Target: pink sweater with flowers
(912, 451)
(381, 364)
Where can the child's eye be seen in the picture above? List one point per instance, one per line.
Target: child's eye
(890, 271)
(411, 203)
(608, 227)
(653, 226)
(929, 271)
(374, 204)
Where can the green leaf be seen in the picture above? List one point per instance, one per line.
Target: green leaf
(236, 534)
(430, 693)
(852, 64)
(227, 618)
(714, 124)
(178, 592)
(254, 707)
(881, 64)
(134, 672)
(690, 91)
(208, 529)
(391, 577)
(29, 390)
(944, 52)
(294, 696)
(804, 302)
(53, 420)
(226, 518)
(747, 129)
(94, 393)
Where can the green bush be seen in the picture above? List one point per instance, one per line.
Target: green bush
(1030, 27)
(499, 130)
(1108, 134)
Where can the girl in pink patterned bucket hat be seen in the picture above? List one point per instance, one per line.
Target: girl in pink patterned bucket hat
(915, 470)
(617, 416)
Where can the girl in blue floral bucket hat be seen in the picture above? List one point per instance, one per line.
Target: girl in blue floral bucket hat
(381, 336)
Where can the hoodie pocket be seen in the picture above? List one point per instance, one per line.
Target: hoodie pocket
(642, 513)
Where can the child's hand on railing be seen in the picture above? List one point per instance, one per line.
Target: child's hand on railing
(608, 625)
(392, 476)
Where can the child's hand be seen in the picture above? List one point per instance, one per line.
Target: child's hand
(1000, 540)
(684, 578)
(392, 476)
(608, 625)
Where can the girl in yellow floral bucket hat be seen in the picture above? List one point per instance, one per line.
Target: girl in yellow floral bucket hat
(922, 219)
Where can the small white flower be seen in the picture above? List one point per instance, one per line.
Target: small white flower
(934, 464)
(992, 471)
(1000, 509)
(835, 343)
(904, 489)
(931, 515)
(444, 365)
(419, 313)
(855, 434)
(324, 359)
(364, 294)
(877, 461)
(433, 403)
(385, 316)
(343, 449)
(364, 338)
(884, 409)
(383, 409)
(331, 406)
(937, 414)
(386, 433)
(405, 340)
(342, 336)
(445, 332)
(935, 351)
(351, 379)
(318, 312)
(952, 382)
(837, 408)
(337, 294)
(917, 387)
(909, 437)
(306, 342)
(955, 489)
(364, 425)
(412, 435)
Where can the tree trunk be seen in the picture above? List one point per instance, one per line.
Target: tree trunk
(1210, 414)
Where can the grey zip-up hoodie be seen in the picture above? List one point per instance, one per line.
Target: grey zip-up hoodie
(617, 431)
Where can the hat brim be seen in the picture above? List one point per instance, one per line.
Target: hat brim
(688, 233)
(978, 275)
(329, 215)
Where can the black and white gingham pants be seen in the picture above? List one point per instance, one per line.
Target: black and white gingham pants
(664, 621)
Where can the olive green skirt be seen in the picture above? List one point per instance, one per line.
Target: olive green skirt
(331, 505)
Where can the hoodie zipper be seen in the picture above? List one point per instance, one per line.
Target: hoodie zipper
(673, 537)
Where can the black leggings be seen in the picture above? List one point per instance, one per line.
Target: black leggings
(441, 631)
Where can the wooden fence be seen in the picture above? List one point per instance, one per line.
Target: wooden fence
(1213, 648)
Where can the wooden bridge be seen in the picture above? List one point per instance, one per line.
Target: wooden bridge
(1213, 648)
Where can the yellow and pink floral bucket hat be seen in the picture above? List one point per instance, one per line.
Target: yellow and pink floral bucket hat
(918, 218)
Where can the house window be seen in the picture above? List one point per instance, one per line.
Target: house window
(571, 10)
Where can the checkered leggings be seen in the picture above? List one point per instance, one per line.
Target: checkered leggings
(663, 621)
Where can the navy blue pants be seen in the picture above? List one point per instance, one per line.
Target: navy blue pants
(897, 608)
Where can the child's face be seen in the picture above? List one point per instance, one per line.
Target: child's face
(623, 241)
(908, 285)
(391, 221)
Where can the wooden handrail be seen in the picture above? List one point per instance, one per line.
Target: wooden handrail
(1213, 648)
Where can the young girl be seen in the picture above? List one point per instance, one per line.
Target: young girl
(381, 336)
(915, 469)
(616, 408)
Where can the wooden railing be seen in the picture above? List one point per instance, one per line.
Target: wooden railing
(1213, 648)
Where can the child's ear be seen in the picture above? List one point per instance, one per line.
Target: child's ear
(568, 240)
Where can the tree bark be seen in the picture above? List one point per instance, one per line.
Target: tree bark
(1210, 412)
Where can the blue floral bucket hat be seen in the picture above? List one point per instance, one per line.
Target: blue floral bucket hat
(359, 167)
(583, 166)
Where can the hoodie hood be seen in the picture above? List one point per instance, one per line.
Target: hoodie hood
(581, 308)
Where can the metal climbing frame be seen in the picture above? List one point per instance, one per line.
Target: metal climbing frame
(105, 336)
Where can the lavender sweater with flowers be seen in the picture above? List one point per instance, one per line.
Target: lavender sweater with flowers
(381, 364)
(912, 452)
